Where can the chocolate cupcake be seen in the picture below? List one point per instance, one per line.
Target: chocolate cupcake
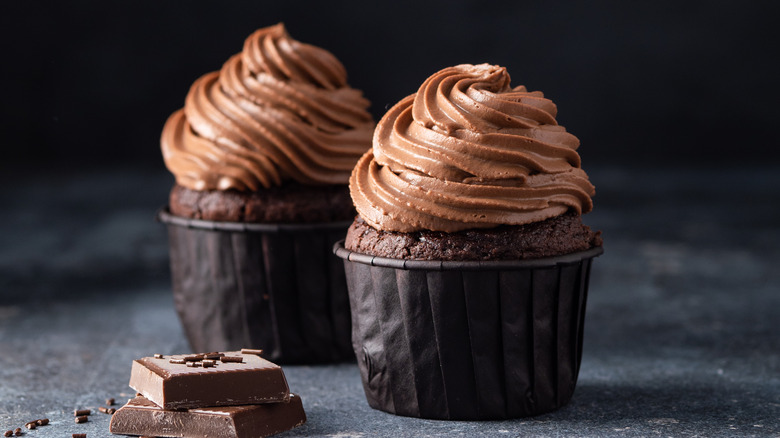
(468, 264)
(262, 152)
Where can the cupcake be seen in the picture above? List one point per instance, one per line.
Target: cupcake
(262, 153)
(468, 263)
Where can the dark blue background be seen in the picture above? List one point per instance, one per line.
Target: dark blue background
(664, 82)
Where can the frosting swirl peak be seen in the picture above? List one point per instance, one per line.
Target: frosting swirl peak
(469, 151)
(278, 110)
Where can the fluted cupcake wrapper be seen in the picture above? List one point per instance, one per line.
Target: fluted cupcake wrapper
(468, 340)
(276, 287)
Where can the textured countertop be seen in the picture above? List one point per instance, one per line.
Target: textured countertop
(681, 328)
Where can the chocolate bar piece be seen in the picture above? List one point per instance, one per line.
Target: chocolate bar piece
(193, 381)
(142, 417)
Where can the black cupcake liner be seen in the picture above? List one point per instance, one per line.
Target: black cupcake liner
(277, 287)
(468, 340)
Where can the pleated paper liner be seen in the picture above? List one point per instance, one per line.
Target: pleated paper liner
(468, 340)
(277, 287)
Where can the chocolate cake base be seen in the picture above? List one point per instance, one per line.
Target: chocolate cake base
(290, 203)
(562, 234)
(468, 340)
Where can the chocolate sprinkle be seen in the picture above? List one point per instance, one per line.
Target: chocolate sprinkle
(251, 351)
(82, 419)
(80, 412)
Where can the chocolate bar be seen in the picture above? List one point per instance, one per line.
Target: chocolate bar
(142, 417)
(197, 380)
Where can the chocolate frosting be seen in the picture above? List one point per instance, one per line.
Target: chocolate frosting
(279, 110)
(469, 151)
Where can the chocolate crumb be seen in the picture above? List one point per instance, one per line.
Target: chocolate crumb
(80, 412)
(9, 433)
(291, 203)
(82, 419)
(18, 431)
(563, 234)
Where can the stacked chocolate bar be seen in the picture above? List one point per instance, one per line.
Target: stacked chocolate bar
(235, 394)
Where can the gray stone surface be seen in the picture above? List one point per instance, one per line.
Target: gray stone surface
(681, 330)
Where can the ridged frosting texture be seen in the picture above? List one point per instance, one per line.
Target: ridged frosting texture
(469, 151)
(279, 110)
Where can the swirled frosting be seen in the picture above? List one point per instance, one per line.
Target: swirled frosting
(469, 151)
(279, 110)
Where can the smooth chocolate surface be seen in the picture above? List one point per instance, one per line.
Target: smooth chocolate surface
(172, 384)
(142, 417)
